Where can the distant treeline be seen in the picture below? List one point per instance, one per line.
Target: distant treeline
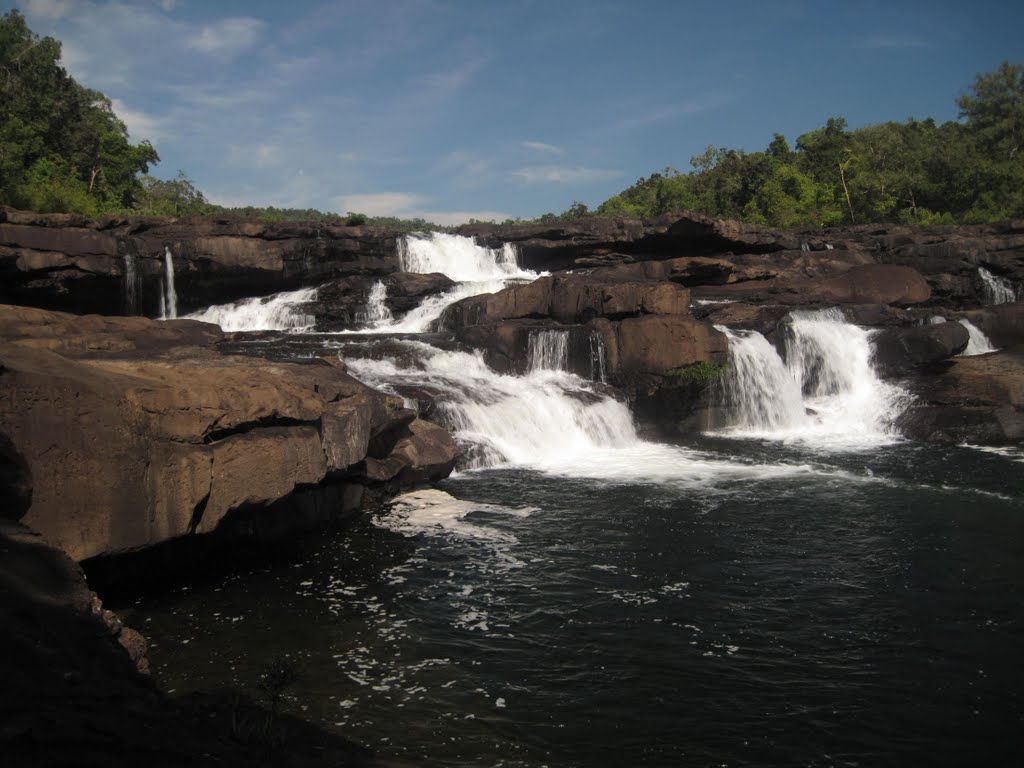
(63, 149)
(970, 171)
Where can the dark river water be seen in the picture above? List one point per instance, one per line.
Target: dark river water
(862, 608)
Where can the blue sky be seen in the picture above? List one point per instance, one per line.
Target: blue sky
(477, 108)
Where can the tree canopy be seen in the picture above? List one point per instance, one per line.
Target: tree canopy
(62, 148)
(970, 171)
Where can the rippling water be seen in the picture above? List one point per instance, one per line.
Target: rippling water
(858, 610)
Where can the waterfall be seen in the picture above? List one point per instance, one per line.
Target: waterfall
(997, 290)
(476, 270)
(163, 300)
(460, 258)
(762, 393)
(376, 311)
(978, 343)
(130, 288)
(169, 306)
(548, 351)
(822, 390)
(280, 312)
(597, 358)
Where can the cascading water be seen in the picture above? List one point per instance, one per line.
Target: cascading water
(376, 310)
(825, 392)
(280, 312)
(130, 288)
(548, 351)
(978, 343)
(476, 269)
(169, 301)
(597, 358)
(997, 290)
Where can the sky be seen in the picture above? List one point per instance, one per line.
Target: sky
(458, 109)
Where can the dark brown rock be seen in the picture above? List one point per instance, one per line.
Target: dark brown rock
(129, 443)
(978, 399)
(902, 350)
(1003, 324)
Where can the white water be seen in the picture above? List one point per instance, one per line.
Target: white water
(550, 421)
(822, 391)
(279, 312)
(131, 285)
(978, 343)
(998, 290)
(548, 351)
(476, 269)
(376, 310)
(460, 258)
(168, 301)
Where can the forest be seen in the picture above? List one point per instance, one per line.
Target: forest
(63, 149)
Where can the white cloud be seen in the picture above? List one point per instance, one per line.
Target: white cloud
(47, 9)
(544, 149)
(409, 206)
(556, 174)
(140, 125)
(379, 204)
(228, 36)
(168, 5)
(261, 155)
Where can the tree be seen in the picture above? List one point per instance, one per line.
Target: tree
(61, 145)
(994, 109)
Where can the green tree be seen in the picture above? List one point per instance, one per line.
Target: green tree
(994, 109)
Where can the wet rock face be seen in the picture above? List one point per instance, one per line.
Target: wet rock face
(116, 266)
(978, 399)
(900, 351)
(134, 432)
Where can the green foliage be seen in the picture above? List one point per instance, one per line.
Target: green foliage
(177, 197)
(62, 148)
(355, 219)
(914, 172)
(701, 372)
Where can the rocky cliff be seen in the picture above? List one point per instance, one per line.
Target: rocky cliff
(129, 432)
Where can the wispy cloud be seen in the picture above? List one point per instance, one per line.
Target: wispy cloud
(557, 174)
(140, 125)
(409, 206)
(544, 149)
(47, 9)
(891, 42)
(228, 36)
(261, 155)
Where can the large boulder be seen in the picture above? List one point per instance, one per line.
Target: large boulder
(899, 351)
(1003, 324)
(129, 444)
(977, 399)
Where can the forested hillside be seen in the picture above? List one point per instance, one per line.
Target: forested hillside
(971, 171)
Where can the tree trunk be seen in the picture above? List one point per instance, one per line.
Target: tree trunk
(849, 203)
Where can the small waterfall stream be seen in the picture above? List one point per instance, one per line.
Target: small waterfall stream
(169, 299)
(376, 312)
(548, 351)
(997, 290)
(279, 312)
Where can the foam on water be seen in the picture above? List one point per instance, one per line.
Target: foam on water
(998, 290)
(280, 312)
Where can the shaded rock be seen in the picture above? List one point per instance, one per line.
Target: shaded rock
(569, 299)
(116, 265)
(342, 304)
(658, 344)
(1003, 324)
(73, 694)
(902, 350)
(128, 445)
(976, 399)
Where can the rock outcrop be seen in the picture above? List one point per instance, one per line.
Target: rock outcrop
(116, 266)
(133, 432)
(978, 400)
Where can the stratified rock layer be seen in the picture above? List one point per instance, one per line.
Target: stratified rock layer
(134, 431)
